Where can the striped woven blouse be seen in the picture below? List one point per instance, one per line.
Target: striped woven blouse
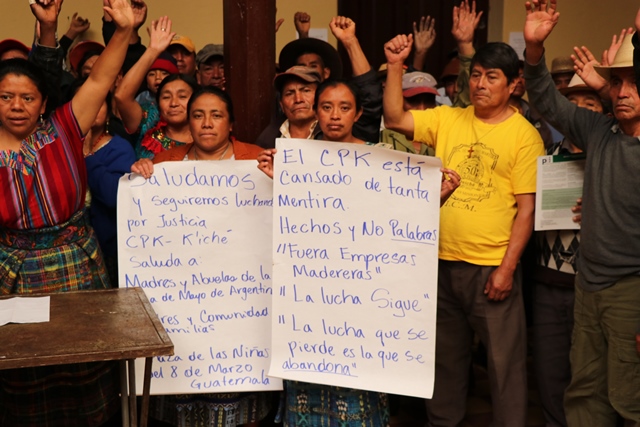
(45, 183)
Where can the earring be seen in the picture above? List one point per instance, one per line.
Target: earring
(41, 120)
(106, 127)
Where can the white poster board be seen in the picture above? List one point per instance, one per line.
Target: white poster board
(355, 252)
(559, 186)
(196, 237)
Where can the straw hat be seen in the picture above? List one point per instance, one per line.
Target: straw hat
(623, 59)
(576, 85)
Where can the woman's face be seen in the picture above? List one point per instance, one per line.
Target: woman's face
(209, 122)
(173, 102)
(86, 68)
(21, 105)
(154, 78)
(337, 113)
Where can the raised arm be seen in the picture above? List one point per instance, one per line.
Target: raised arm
(302, 22)
(397, 50)
(47, 15)
(87, 101)
(424, 35)
(46, 53)
(541, 18)
(344, 29)
(584, 61)
(160, 36)
(465, 22)
(77, 26)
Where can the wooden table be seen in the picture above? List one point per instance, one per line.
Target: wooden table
(113, 324)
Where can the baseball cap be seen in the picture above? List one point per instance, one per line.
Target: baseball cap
(208, 52)
(418, 82)
(185, 42)
(78, 52)
(11, 44)
(165, 62)
(307, 74)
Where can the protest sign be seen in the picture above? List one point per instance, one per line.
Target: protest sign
(355, 250)
(196, 237)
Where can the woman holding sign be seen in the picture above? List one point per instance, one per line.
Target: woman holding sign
(211, 119)
(46, 242)
(338, 106)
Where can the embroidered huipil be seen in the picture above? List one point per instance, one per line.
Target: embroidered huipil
(45, 183)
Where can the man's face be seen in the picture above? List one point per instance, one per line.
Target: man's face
(423, 101)
(314, 61)
(297, 100)
(488, 88)
(562, 80)
(211, 73)
(186, 60)
(450, 87)
(586, 99)
(13, 53)
(624, 95)
(519, 90)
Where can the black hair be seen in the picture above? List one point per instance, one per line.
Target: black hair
(88, 54)
(192, 82)
(335, 83)
(212, 90)
(498, 55)
(22, 67)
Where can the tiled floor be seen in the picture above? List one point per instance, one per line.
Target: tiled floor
(478, 406)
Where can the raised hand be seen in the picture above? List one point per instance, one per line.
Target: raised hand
(541, 18)
(398, 48)
(584, 61)
(302, 22)
(139, 8)
(46, 11)
(160, 34)
(121, 13)
(77, 26)
(279, 23)
(465, 22)
(343, 28)
(424, 34)
(609, 54)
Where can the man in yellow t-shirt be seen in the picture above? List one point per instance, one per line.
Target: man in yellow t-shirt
(484, 228)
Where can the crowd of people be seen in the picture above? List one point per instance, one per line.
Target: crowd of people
(77, 116)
